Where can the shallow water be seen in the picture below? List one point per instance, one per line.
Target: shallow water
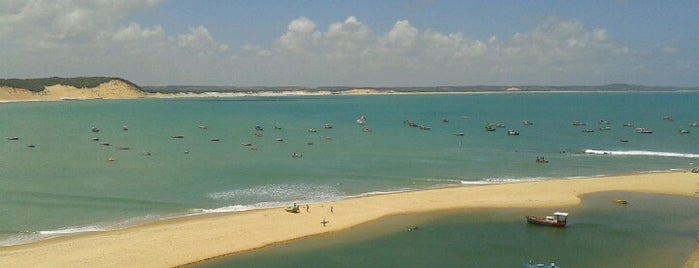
(651, 231)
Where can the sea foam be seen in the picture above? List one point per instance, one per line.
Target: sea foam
(641, 153)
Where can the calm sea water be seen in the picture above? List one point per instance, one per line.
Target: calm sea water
(651, 231)
(65, 184)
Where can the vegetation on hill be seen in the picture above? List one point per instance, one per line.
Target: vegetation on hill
(38, 84)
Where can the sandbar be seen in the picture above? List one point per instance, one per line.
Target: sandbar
(186, 240)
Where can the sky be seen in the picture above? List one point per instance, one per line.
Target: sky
(354, 43)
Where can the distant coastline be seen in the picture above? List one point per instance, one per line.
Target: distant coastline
(88, 88)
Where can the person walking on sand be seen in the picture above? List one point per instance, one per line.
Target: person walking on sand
(331, 209)
(307, 208)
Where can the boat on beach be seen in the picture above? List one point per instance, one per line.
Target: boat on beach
(295, 209)
(558, 219)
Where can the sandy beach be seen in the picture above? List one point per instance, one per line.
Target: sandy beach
(186, 240)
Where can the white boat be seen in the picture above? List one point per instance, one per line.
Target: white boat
(643, 130)
(361, 120)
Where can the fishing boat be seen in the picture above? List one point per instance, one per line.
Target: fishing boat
(512, 132)
(643, 130)
(531, 264)
(620, 201)
(361, 120)
(558, 219)
(294, 209)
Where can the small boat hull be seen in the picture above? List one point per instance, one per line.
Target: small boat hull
(543, 221)
(558, 219)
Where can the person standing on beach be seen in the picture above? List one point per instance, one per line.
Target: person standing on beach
(307, 208)
(331, 209)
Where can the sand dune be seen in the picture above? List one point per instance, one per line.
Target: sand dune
(113, 89)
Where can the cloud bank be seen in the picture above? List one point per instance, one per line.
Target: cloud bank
(75, 38)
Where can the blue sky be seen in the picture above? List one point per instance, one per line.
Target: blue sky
(354, 43)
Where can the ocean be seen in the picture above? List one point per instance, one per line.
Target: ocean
(61, 177)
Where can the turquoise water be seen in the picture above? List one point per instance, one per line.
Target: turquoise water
(65, 183)
(651, 231)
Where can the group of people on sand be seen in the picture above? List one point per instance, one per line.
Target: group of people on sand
(297, 209)
(308, 208)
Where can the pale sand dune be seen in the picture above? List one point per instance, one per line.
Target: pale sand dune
(181, 241)
(113, 89)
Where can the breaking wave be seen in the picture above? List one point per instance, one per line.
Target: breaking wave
(641, 153)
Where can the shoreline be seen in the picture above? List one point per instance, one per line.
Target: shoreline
(128, 95)
(187, 240)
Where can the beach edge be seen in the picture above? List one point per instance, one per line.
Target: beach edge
(188, 240)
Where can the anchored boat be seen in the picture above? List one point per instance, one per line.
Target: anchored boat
(558, 219)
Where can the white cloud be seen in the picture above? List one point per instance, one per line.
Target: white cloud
(135, 33)
(401, 38)
(57, 22)
(300, 36)
(452, 46)
(199, 40)
(349, 38)
(80, 37)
